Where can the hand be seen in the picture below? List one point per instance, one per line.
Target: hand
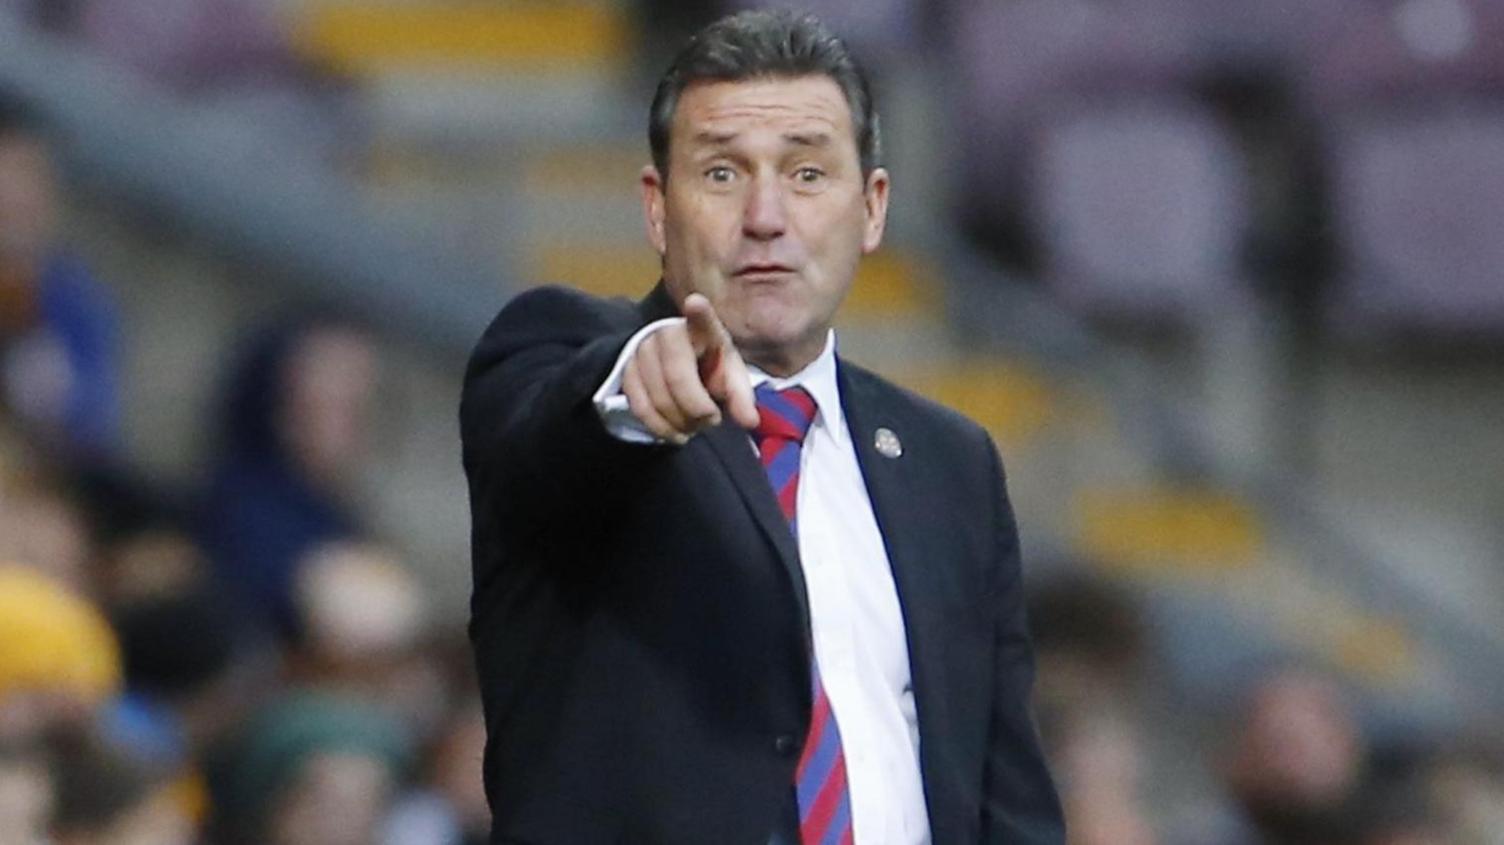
(684, 375)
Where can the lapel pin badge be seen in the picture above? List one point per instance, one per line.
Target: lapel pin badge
(887, 443)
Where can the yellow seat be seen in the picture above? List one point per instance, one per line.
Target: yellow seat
(892, 284)
(1167, 531)
(586, 172)
(1011, 400)
(361, 37)
(628, 271)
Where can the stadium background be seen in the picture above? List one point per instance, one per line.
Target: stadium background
(1223, 280)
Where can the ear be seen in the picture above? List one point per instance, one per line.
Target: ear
(652, 207)
(875, 197)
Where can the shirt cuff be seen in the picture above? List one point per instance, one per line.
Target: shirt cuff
(611, 404)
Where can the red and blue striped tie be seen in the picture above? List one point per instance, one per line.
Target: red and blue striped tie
(784, 417)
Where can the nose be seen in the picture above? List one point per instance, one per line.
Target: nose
(764, 216)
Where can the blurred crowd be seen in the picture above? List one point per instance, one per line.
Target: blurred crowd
(242, 661)
(245, 660)
(1285, 760)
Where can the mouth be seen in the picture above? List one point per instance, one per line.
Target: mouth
(762, 269)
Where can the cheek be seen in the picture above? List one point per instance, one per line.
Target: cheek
(712, 229)
(837, 255)
(701, 242)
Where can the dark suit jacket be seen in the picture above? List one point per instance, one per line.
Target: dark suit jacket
(639, 617)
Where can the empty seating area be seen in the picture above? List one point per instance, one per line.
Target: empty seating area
(1379, 117)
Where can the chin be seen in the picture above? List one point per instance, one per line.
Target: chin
(778, 347)
(770, 326)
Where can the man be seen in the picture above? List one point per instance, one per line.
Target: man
(730, 588)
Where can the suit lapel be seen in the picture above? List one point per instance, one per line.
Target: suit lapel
(731, 446)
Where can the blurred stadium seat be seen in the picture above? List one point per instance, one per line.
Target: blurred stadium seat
(1418, 200)
(1413, 144)
(1141, 207)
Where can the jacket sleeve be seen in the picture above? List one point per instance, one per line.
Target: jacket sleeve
(1019, 802)
(531, 436)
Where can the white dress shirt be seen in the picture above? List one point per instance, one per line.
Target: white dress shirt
(855, 617)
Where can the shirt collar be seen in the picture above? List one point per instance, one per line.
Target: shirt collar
(819, 378)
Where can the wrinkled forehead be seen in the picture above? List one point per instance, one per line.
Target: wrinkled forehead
(803, 109)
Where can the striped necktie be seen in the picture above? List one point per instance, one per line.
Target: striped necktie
(784, 417)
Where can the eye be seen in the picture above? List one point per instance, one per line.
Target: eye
(809, 175)
(720, 174)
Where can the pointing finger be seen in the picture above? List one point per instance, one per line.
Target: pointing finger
(706, 334)
(736, 389)
(681, 373)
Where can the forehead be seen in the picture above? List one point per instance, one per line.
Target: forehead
(804, 104)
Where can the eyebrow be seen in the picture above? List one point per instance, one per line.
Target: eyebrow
(811, 139)
(715, 138)
(803, 139)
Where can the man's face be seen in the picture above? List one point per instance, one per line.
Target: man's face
(765, 211)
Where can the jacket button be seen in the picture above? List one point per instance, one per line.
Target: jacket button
(785, 745)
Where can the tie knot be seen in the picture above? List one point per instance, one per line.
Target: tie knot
(784, 414)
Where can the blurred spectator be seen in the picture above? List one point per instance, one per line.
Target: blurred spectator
(361, 623)
(58, 357)
(41, 525)
(1468, 786)
(17, 459)
(1399, 815)
(1090, 634)
(312, 769)
(449, 806)
(189, 676)
(142, 535)
(1090, 645)
(1297, 761)
(59, 660)
(1100, 759)
(26, 793)
(153, 562)
(359, 610)
(291, 431)
(107, 798)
